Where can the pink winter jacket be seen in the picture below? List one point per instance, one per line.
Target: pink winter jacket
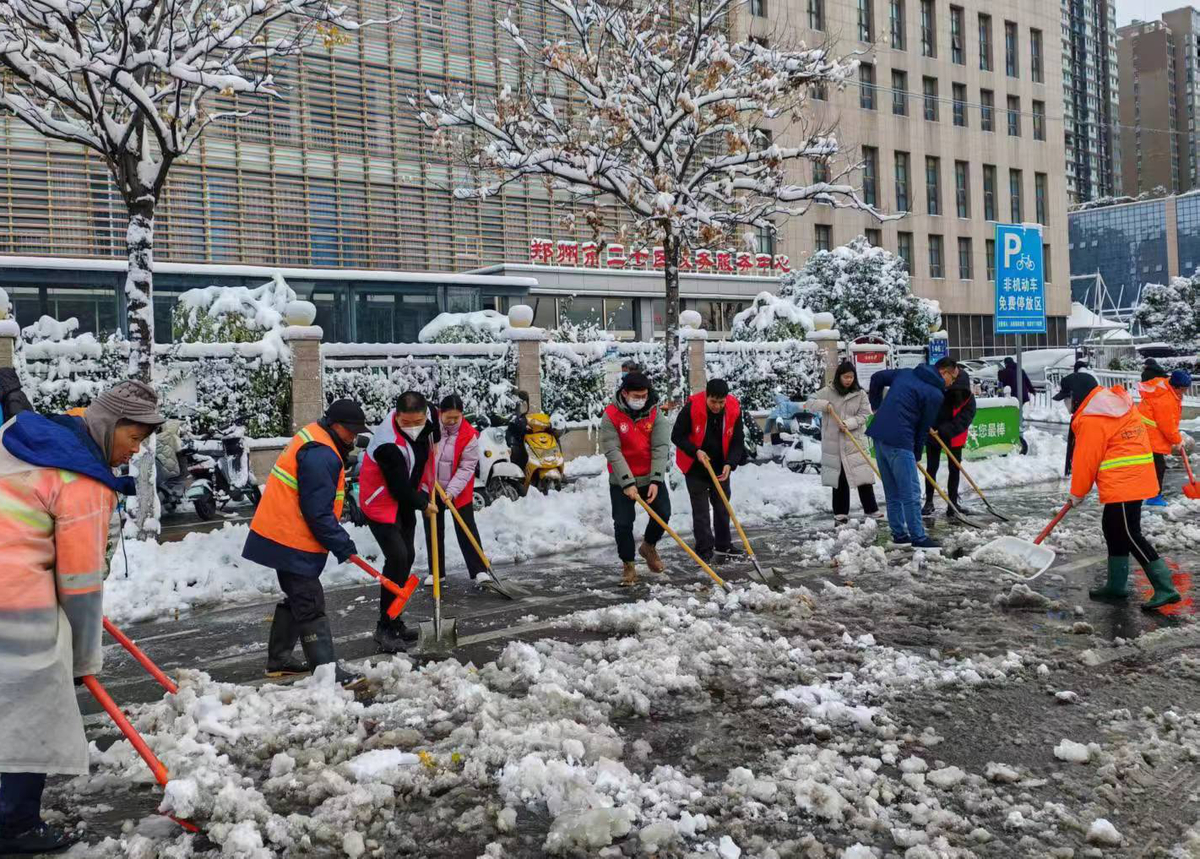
(455, 482)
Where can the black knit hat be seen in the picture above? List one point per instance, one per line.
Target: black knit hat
(635, 381)
(717, 388)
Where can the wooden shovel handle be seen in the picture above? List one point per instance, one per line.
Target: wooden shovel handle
(1066, 508)
(461, 524)
(728, 507)
(662, 524)
(955, 462)
(841, 423)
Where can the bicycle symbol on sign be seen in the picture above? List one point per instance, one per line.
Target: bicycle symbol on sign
(1025, 263)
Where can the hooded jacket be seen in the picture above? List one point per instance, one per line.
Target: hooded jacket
(904, 417)
(1007, 378)
(611, 445)
(1162, 408)
(1112, 449)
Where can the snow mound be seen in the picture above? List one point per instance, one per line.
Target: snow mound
(1072, 752)
(1103, 832)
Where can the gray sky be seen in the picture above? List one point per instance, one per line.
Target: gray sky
(1145, 10)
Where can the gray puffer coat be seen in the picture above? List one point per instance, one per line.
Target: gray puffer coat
(837, 450)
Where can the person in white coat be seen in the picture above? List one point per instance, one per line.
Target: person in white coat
(842, 465)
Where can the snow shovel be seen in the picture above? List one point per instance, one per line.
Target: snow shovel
(763, 577)
(841, 423)
(493, 583)
(135, 740)
(662, 524)
(954, 462)
(1020, 557)
(1191, 489)
(942, 492)
(436, 638)
(144, 660)
(402, 594)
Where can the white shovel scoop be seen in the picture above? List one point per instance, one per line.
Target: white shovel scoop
(1020, 557)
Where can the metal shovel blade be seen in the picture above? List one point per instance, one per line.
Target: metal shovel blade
(495, 584)
(764, 577)
(434, 639)
(1013, 555)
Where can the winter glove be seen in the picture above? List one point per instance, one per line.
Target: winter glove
(1075, 500)
(343, 557)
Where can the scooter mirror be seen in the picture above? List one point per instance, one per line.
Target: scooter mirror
(362, 441)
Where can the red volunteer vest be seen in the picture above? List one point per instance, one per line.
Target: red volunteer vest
(733, 412)
(960, 440)
(466, 432)
(374, 499)
(635, 438)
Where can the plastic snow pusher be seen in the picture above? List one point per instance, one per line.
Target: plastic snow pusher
(493, 582)
(764, 577)
(402, 594)
(439, 636)
(1021, 557)
(1191, 489)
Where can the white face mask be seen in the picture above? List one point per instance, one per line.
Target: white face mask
(412, 432)
(636, 404)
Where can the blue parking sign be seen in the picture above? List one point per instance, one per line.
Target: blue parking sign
(1020, 280)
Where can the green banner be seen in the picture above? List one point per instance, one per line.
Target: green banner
(995, 429)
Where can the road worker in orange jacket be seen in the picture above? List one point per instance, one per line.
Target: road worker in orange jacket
(1162, 409)
(1112, 451)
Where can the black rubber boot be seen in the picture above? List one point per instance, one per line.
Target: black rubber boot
(281, 642)
(317, 642)
(42, 838)
(391, 636)
(927, 510)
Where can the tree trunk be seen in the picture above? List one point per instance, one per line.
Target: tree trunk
(676, 386)
(140, 313)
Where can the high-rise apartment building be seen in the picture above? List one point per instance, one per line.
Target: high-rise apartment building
(1090, 99)
(954, 116)
(1160, 102)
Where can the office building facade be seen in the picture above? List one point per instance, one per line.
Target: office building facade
(1090, 99)
(954, 115)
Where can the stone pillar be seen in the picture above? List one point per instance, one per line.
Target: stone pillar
(528, 343)
(9, 332)
(827, 344)
(308, 391)
(691, 341)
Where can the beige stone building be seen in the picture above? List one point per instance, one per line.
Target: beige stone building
(957, 112)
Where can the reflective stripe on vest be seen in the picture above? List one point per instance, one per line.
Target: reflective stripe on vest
(278, 517)
(1124, 461)
(1149, 422)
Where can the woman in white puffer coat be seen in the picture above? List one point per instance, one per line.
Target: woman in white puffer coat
(842, 465)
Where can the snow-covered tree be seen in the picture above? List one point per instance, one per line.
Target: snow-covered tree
(866, 289)
(772, 318)
(1171, 313)
(136, 82)
(649, 109)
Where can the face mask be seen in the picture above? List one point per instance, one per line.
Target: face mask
(636, 404)
(412, 432)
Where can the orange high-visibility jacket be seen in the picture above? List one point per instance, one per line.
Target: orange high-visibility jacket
(1162, 409)
(278, 517)
(1112, 449)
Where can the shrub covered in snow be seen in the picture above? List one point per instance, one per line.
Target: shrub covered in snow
(480, 326)
(1171, 313)
(772, 317)
(573, 380)
(231, 314)
(756, 372)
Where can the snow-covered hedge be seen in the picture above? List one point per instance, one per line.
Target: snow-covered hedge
(1171, 312)
(756, 372)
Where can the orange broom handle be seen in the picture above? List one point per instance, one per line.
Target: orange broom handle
(131, 734)
(141, 657)
(401, 593)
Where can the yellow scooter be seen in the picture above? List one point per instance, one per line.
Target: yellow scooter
(545, 467)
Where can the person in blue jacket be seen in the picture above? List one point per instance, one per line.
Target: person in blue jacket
(900, 432)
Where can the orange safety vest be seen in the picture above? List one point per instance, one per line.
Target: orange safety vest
(1112, 449)
(1161, 409)
(635, 438)
(278, 517)
(699, 407)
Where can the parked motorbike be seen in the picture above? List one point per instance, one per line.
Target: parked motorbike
(546, 462)
(227, 479)
(496, 476)
(352, 509)
(804, 443)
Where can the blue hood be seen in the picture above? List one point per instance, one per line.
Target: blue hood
(930, 376)
(62, 442)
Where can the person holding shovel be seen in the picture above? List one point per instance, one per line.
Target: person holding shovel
(457, 456)
(952, 426)
(1162, 409)
(842, 463)
(57, 495)
(395, 485)
(1112, 452)
(635, 441)
(709, 431)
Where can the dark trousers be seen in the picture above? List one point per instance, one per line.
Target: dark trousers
(467, 512)
(1160, 469)
(20, 802)
(1122, 526)
(625, 509)
(304, 596)
(933, 458)
(841, 497)
(1070, 452)
(712, 533)
(396, 542)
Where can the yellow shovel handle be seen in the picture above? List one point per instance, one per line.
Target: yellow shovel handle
(728, 507)
(842, 424)
(934, 484)
(433, 557)
(954, 461)
(461, 524)
(650, 512)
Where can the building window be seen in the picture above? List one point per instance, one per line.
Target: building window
(904, 250)
(760, 41)
(958, 52)
(933, 184)
(989, 253)
(965, 269)
(866, 21)
(866, 86)
(962, 189)
(960, 104)
(1039, 120)
(989, 192)
(1039, 198)
(899, 93)
(1010, 49)
(928, 30)
(930, 88)
(1016, 206)
(935, 256)
(1035, 56)
(1046, 269)
(985, 42)
(896, 24)
(758, 8)
(820, 172)
(870, 171)
(874, 238)
(764, 239)
(819, 91)
(902, 182)
(987, 110)
(1014, 116)
(823, 237)
(816, 14)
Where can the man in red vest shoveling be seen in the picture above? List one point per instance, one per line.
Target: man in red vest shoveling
(709, 429)
(635, 439)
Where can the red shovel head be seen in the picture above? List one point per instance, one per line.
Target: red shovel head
(1191, 489)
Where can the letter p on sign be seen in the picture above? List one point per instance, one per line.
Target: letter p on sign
(1012, 247)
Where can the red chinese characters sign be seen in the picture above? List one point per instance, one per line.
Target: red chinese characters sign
(613, 256)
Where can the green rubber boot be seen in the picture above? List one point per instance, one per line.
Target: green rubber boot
(1164, 590)
(1117, 586)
